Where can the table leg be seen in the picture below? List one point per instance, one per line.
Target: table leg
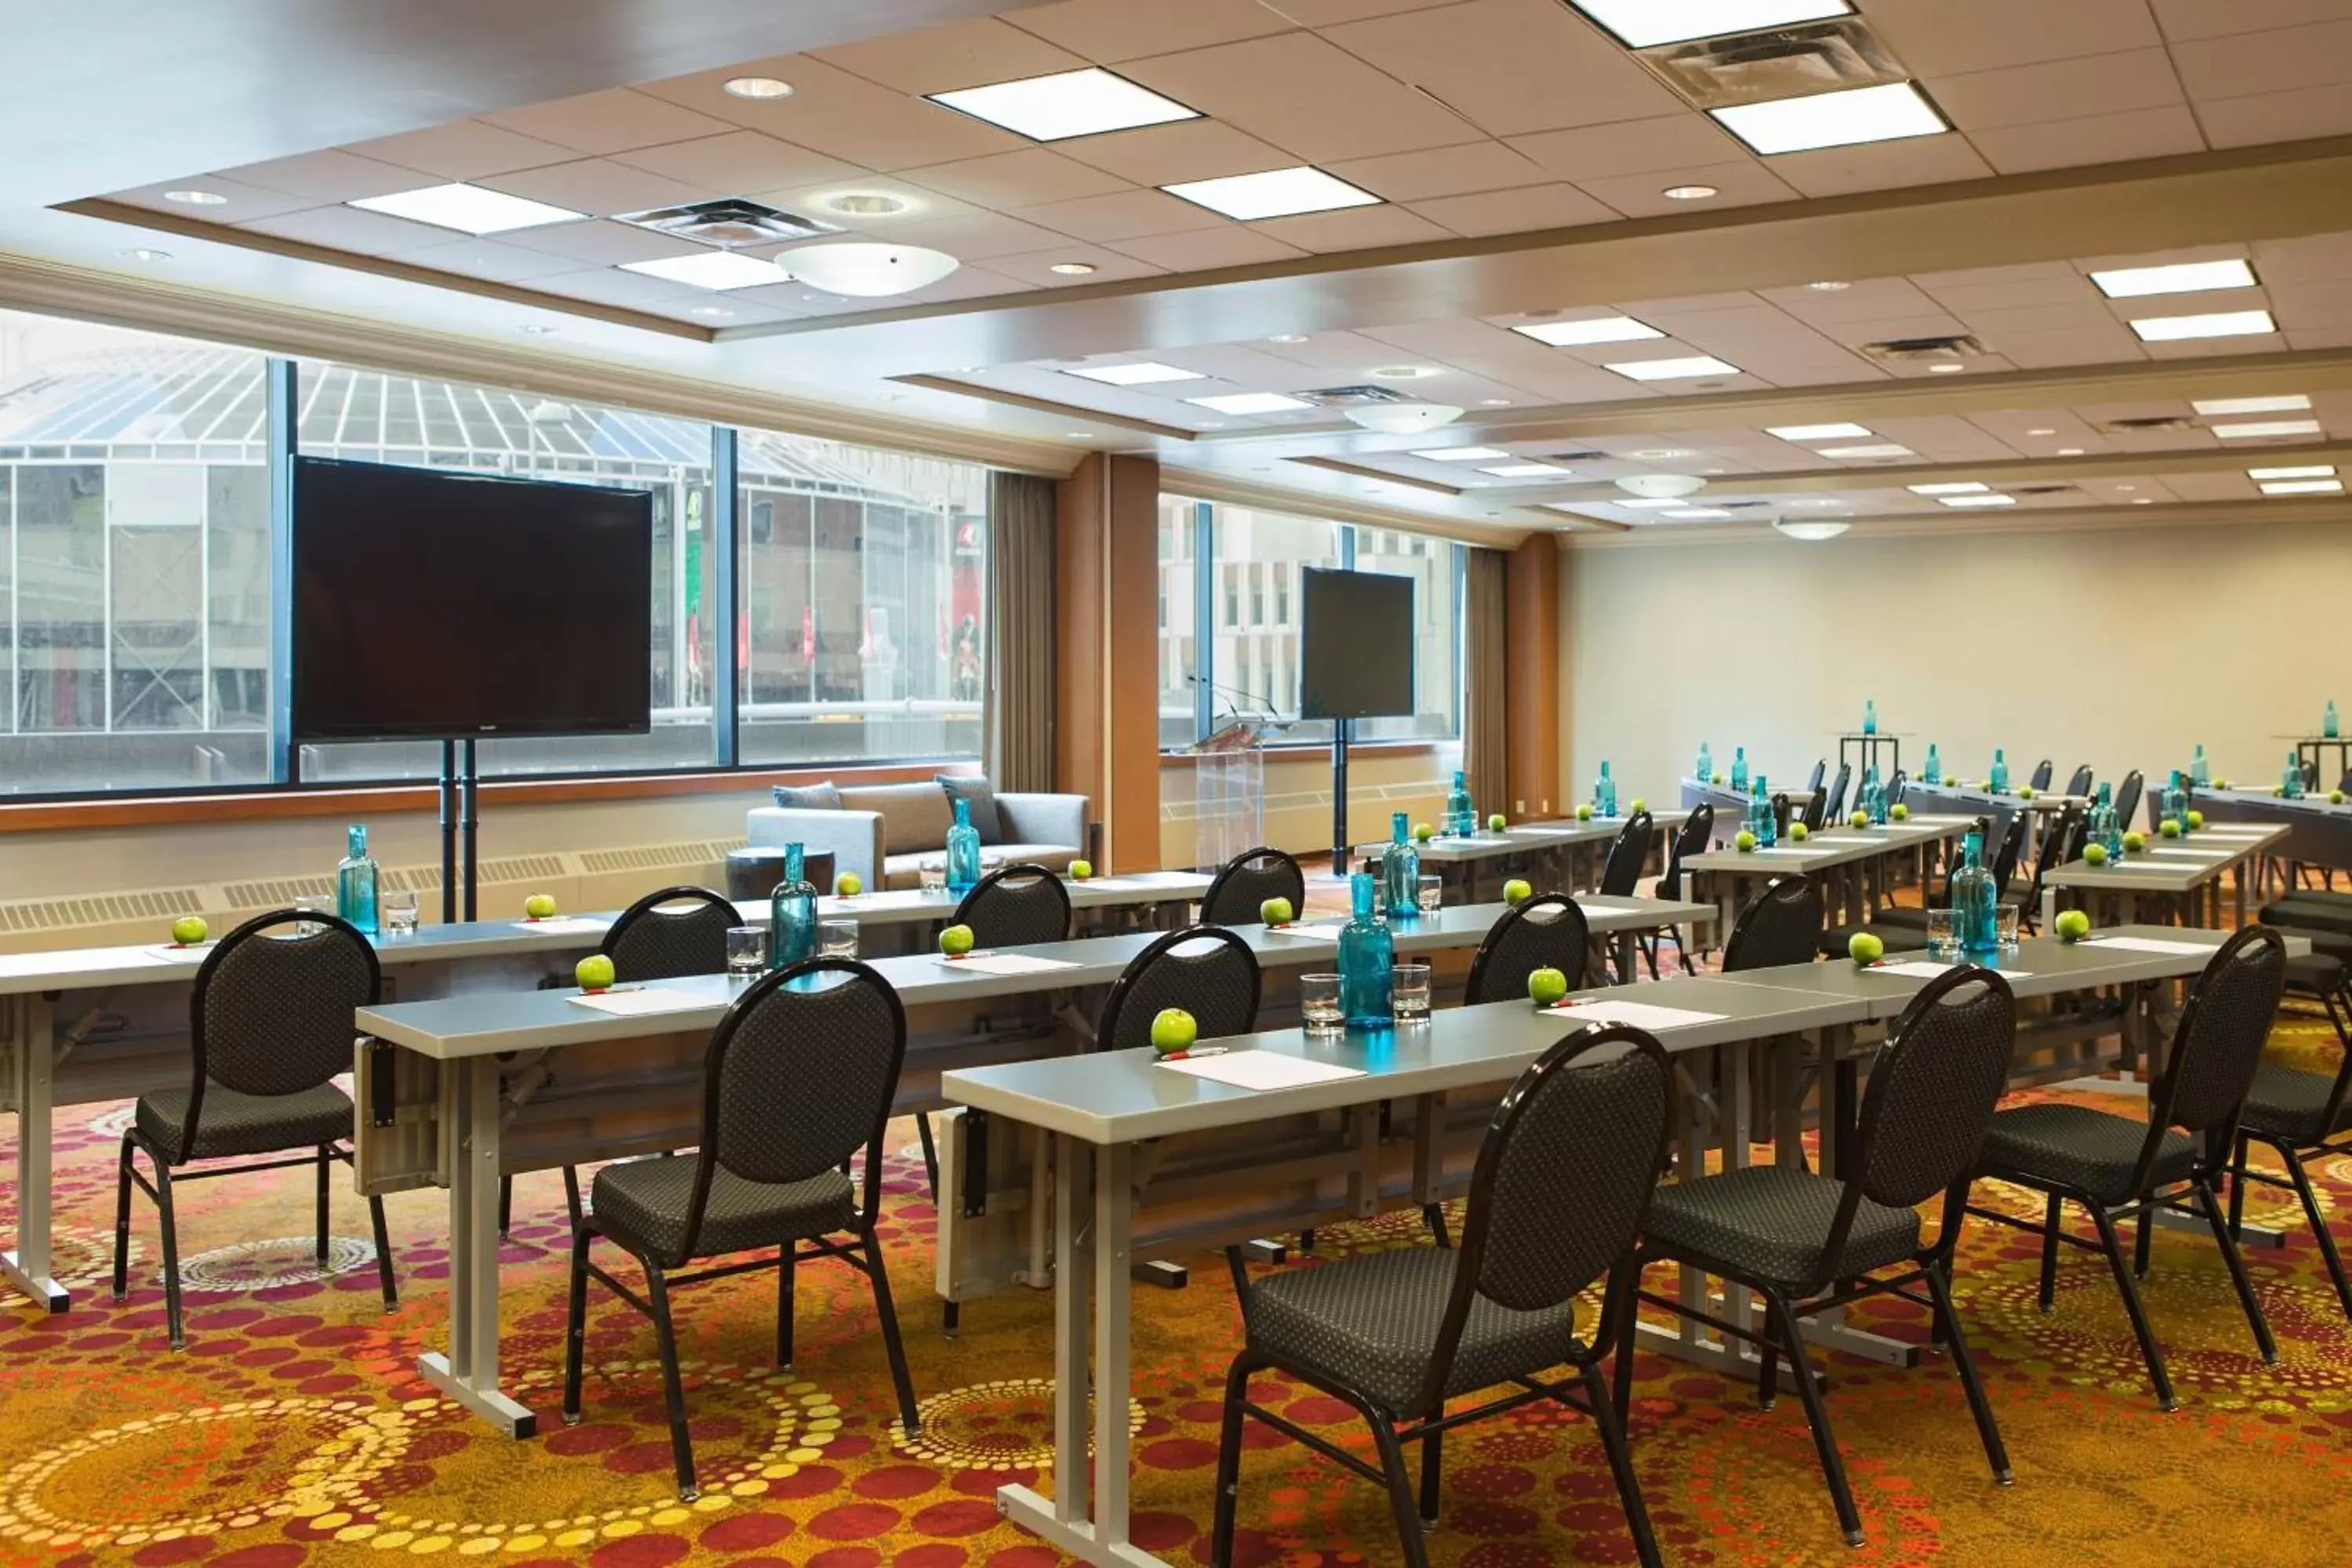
(468, 1371)
(32, 1051)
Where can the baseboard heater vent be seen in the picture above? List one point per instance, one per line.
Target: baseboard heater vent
(154, 905)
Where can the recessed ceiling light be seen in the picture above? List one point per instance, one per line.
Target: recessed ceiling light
(197, 198)
(1888, 112)
(1816, 432)
(2262, 428)
(2305, 488)
(1639, 24)
(2217, 324)
(1946, 369)
(469, 209)
(1402, 371)
(1079, 435)
(2181, 278)
(1287, 338)
(864, 204)
(2044, 431)
(1977, 500)
(1876, 449)
(1072, 268)
(1958, 487)
(716, 269)
(143, 253)
(1143, 374)
(2143, 501)
(1275, 193)
(536, 330)
(2070, 451)
(1695, 513)
(2127, 489)
(1248, 403)
(1461, 454)
(1829, 285)
(2287, 403)
(755, 87)
(1529, 472)
(1817, 500)
(1493, 402)
(713, 312)
(1598, 330)
(1674, 369)
(2308, 472)
(1662, 454)
(1069, 103)
(1689, 193)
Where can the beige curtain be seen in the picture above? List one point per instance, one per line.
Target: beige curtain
(1018, 717)
(1485, 753)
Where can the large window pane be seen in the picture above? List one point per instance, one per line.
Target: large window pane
(134, 566)
(368, 415)
(1255, 562)
(1179, 637)
(862, 578)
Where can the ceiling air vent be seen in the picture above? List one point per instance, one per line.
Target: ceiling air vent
(1580, 457)
(2041, 489)
(730, 223)
(1353, 396)
(2152, 422)
(1924, 351)
(1780, 62)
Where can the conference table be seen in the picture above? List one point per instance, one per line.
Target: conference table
(2170, 880)
(461, 1090)
(1731, 805)
(1558, 855)
(1110, 1115)
(2318, 832)
(89, 1025)
(1853, 867)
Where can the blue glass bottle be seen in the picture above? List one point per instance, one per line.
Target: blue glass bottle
(1869, 717)
(2200, 775)
(1461, 816)
(2291, 778)
(2176, 803)
(1367, 956)
(1739, 770)
(1873, 797)
(1401, 870)
(2000, 779)
(1934, 777)
(1604, 793)
(963, 851)
(1706, 764)
(792, 912)
(1976, 900)
(356, 881)
(2327, 721)
(2103, 828)
(1762, 821)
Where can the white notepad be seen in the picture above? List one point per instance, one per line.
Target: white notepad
(1824, 840)
(1306, 934)
(1927, 969)
(1262, 1069)
(2149, 944)
(641, 1000)
(1806, 849)
(1006, 964)
(2128, 865)
(2190, 854)
(899, 899)
(566, 925)
(1640, 1015)
(1107, 884)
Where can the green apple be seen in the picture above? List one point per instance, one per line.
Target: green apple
(1899, 811)
(1951, 781)
(1744, 842)
(1517, 891)
(1640, 805)
(2094, 854)
(2168, 828)
(1584, 813)
(1859, 819)
(1422, 832)
(1276, 913)
(1172, 1030)
(1864, 948)
(2278, 792)
(595, 972)
(2196, 820)
(1547, 986)
(1716, 781)
(1799, 832)
(2073, 925)
(848, 885)
(956, 940)
(2221, 783)
(1081, 870)
(2134, 842)
(2336, 797)
(2025, 792)
(188, 929)
(540, 906)
(1496, 822)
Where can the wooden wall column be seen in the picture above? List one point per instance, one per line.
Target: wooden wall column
(1532, 689)
(1108, 710)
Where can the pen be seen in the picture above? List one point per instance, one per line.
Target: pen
(1188, 1055)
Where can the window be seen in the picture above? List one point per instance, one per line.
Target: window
(1179, 524)
(134, 561)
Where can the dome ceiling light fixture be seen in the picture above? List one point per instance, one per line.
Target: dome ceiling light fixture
(1661, 487)
(1811, 530)
(866, 271)
(1404, 418)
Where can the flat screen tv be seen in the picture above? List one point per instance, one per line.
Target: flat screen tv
(1356, 653)
(431, 604)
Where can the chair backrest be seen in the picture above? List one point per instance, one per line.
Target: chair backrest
(1836, 805)
(2126, 800)
(678, 931)
(2013, 850)
(1204, 969)
(2080, 784)
(1546, 932)
(1016, 905)
(1242, 887)
(2222, 1030)
(1781, 924)
(2042, 770)
(799, 1076)
(1562, 1185)
(1780, 814)
(1621, 872)
(1694, 836)
(271, 1011)
(1897, 786)
(1821, 770)
(2345, 783)
(2059, 842)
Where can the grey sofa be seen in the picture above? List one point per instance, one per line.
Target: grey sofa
(883, 833)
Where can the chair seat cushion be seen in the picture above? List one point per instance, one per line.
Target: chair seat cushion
(2287, 1102)
(228, 1122)
(2316, 974)
(1370, 1323)
(1769, 1223)
(642, 1205)
(2077, 1147)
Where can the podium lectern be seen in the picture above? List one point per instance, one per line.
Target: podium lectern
(1229, 790)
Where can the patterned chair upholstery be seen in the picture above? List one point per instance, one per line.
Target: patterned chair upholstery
(676, 931)
(1016, 906)
(1206, 970)
(1241, 890)
(1546, 932)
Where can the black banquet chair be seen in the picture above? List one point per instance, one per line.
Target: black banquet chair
(2118, 1167)
(1016, 906)
(1563, 1178)
(1818, 809)
(1546, 932)
(799, 1076)
(1240, 889)
(2080, 784)
(1807, 1242)
(1204, 969)
(1694, 836)
(1629, 857)
(269, 1025)
(1780, 925)
(2298, 1113)
(2043, 773)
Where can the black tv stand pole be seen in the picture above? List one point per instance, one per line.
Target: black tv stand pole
(1339, 728)
(460, 821)
(469, 815)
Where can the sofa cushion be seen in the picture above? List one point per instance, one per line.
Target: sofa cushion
(822, 796)
(905, 870)
(981, 796)
(914, 816)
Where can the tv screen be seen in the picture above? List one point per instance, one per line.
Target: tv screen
(1356, 655)
(432, 604)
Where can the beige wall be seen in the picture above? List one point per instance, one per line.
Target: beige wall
(2119, 648)
(1299, 799)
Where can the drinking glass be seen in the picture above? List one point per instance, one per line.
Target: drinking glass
(1943, 937)
(2005, 927)
(933, 875)
(836, 939)
(1431, 894)
(312, 904)
(747, 952)
(1318, 1003)
(1408, 992)
(398, 908)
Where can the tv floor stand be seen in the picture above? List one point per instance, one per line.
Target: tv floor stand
(461, 819)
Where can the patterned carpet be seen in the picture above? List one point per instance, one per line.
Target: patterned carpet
(294, 1430)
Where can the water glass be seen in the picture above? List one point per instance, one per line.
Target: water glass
(933, 875)
(1943, 936)
(747, 952)
(836, 939)
(312, 904)
(1408, 992)
(2005, 927)
(1431, 894)
(1318, 1003)
(397, 906)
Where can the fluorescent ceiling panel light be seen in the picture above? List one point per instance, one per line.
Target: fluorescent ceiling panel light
(2309, 471)
(2305, 488)
(469, 209)
(2218, 324)
(1276, 193)
(1598, 330)
(2287, 403)
(1696, 513)
(1070, 103)
(1463, 454)
(2263, 427)
(1977, 500)
(1958, 487)
(1881, 449)
(1529, 472)
(1816, 432)
(717, 269)
(1142, 375)
(1890, 113)
(1248, 403)
(1651, 503)
(2181, 278)
(1639, 24)
(1674, 369)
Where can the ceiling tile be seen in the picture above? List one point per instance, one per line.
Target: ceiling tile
(2314, 256)
(1511, 66)
(1937, 38)
(2279, 61)
(2325, 304)
(601, 243)
(1882, 165)
(1743, 184)
(1889, 327)
(2058, 90)
(612, 122)
(2276, 117)
(244, 202)
(351, 229)
(598, 186)
(1200, 249)
(949, 55)
(2185, 19)
(842, 115)
(1122, 214)
(1114, 30)
(1354, 229)
(1309, 96)
(488, 259)
(1037, 267)
(1864, 299)
(2022, 275)
(1331, 12)
(1464, 170)
(2098, 139)
(611, 286)
(739, 312)
(329, 176)
(1631, 146)
(2090, 315)
(737, 162)
(923, 205)
(1173, 155)
(976, 237)
(463, 150)
(1514, 212)
(1004, 180)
